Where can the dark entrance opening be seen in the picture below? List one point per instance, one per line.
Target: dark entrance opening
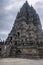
(0, 49)
(18, 51)
(18, 33)
(10, 38)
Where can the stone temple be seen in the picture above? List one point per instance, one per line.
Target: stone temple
(26, 37)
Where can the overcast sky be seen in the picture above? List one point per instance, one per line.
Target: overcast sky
(8, 12)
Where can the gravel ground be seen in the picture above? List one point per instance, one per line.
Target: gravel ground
(18, 61)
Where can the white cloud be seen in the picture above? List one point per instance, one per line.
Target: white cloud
(32, 1)
(19, 3)
(39, 8)
(15, 4)
(4, 32)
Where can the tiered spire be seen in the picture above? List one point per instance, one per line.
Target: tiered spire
(24, 10)
(28, 12)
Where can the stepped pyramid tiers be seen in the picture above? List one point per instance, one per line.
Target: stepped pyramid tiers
(26, 36)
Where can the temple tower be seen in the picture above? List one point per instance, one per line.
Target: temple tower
(26, 34)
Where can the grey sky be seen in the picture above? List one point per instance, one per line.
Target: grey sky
(8, 12)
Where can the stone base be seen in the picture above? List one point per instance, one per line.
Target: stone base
(26, 56)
